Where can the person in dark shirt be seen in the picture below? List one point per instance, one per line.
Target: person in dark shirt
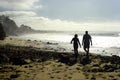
(86, 42)
(75, 42)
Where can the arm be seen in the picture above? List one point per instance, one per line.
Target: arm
(83, 41)
(71, 41)
(91, 40)
(79, 43)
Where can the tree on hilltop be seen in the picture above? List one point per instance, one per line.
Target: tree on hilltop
(2, 32)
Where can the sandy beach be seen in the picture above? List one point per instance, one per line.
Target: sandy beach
(37, 60)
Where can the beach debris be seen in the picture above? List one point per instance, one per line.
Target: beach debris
(3, 59)
(51, 77)
(35, 40)
(67, 59)
(10, 38)
(93, 78)
(78, 68)
(26, 66)
(108, 68)
(6, 69)
(103, 51)
(64, 58)
(115, 59)
(52, 43)
(14, 76)
(18, 61)
(28, 40)
(85, 60)
(96, 69)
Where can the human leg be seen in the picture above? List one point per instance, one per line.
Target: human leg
(76, 53)
(85, 49)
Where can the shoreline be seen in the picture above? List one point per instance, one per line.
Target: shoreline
(56, 46)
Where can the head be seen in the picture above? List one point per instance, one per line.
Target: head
(86, 32)
(76, 35)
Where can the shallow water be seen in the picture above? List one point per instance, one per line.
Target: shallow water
(99, 41)
(105, 44)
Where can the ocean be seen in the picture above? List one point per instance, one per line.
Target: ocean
(105, 43)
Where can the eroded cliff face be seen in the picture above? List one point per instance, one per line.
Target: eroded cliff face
(9, 25)
(11, 28)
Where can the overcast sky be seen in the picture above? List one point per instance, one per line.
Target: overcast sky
(77, 15)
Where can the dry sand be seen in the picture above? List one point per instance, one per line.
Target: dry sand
(45, 63)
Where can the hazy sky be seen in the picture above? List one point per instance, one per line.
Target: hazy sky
(77, 15)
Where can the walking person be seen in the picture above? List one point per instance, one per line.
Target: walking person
(86, 42)
(75, 42)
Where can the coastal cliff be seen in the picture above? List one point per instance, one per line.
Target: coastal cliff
(11, 28)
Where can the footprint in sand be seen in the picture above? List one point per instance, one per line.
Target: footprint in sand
(57, 71)
(78, 68)
(58, 77)
(65, 75)
(69, 69)
(52, 77)
(71, 73)
(49, 73)
(65, 78)
(93, 78)
(26, 66)
(65, 70)
(69, 77)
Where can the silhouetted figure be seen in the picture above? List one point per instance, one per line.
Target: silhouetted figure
(75, 42)
(86, 42)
